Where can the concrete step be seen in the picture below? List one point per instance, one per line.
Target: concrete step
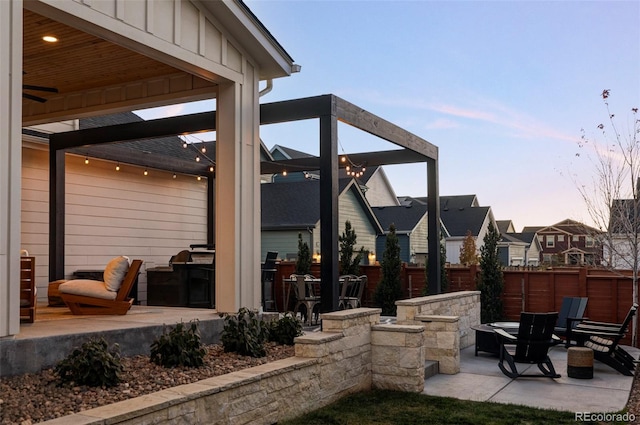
(430, 368)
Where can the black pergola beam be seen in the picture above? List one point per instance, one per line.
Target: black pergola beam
(402, 156)
(329, 109)
(162, 127)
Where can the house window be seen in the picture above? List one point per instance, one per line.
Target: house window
(550, 241)
(589, 242)
(575, 238)
(560, 238)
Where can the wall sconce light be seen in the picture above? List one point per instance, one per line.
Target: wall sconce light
(316, 257)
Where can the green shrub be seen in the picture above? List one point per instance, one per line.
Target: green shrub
(180, 347)
(92, 364)
(285, 329)
(244, 333)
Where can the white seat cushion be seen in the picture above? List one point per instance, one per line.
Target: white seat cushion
(114, 273)
(87, 288)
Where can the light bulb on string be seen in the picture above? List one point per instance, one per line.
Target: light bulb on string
(284, 172)
(197, 158)
(86, 159)
(146, 173)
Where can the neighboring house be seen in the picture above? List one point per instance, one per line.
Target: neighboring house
(411, 228)
(373, 182)
(460, 214)
(620, 242)
(292, 208)
(505, 226)
(517, 249)
(568, 242)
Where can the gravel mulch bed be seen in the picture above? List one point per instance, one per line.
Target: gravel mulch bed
(32, 398)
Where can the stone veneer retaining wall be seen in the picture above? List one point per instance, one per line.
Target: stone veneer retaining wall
(352, 353)
(448, 319)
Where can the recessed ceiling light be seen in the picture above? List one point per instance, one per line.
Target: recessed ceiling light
(50, 39)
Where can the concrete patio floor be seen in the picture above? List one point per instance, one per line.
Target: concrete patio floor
(480, 379)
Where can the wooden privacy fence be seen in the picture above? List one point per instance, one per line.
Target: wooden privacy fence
(609, 292)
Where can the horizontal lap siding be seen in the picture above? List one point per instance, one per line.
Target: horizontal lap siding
(110, 213)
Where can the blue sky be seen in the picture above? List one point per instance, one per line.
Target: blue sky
(503, 88)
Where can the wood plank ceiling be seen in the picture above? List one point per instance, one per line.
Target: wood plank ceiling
(78, 61)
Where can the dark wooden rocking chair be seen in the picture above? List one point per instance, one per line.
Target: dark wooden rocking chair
(88, 304)
(604, 339)
(535, 337)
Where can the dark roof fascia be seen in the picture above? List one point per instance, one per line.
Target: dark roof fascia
(35, 133)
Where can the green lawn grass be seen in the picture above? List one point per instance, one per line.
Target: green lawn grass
(392, 407)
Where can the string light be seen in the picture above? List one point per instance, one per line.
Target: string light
(146, 173)
(199, 178)
(118, 166)
(204, 149)
(197, 159)
(284, 172)
(211, 168)
(175, 176)
(353, 170)
(185, 145)
(86, 159)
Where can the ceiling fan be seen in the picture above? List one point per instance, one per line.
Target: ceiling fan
(36, 88)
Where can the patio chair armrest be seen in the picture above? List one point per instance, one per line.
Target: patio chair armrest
(505, 335)
(601, 324)
(585, 333)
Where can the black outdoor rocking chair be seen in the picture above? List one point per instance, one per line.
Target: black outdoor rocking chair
(604, 339)
(535, 337)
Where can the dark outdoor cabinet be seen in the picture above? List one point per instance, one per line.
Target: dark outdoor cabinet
(188, 283)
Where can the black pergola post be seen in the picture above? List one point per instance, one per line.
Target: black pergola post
(56, 213)
(329, 212)
(433, 223)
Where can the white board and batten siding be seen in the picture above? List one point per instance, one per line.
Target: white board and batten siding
(349, 208)
(111, 213)
(418, 241)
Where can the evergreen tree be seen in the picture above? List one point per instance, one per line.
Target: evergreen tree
(349, 264)
(388, 290)
(491, 280)
(468, 250)
(303, 263)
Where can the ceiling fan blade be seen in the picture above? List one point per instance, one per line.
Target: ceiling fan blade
(32, 97)
(39, 88)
